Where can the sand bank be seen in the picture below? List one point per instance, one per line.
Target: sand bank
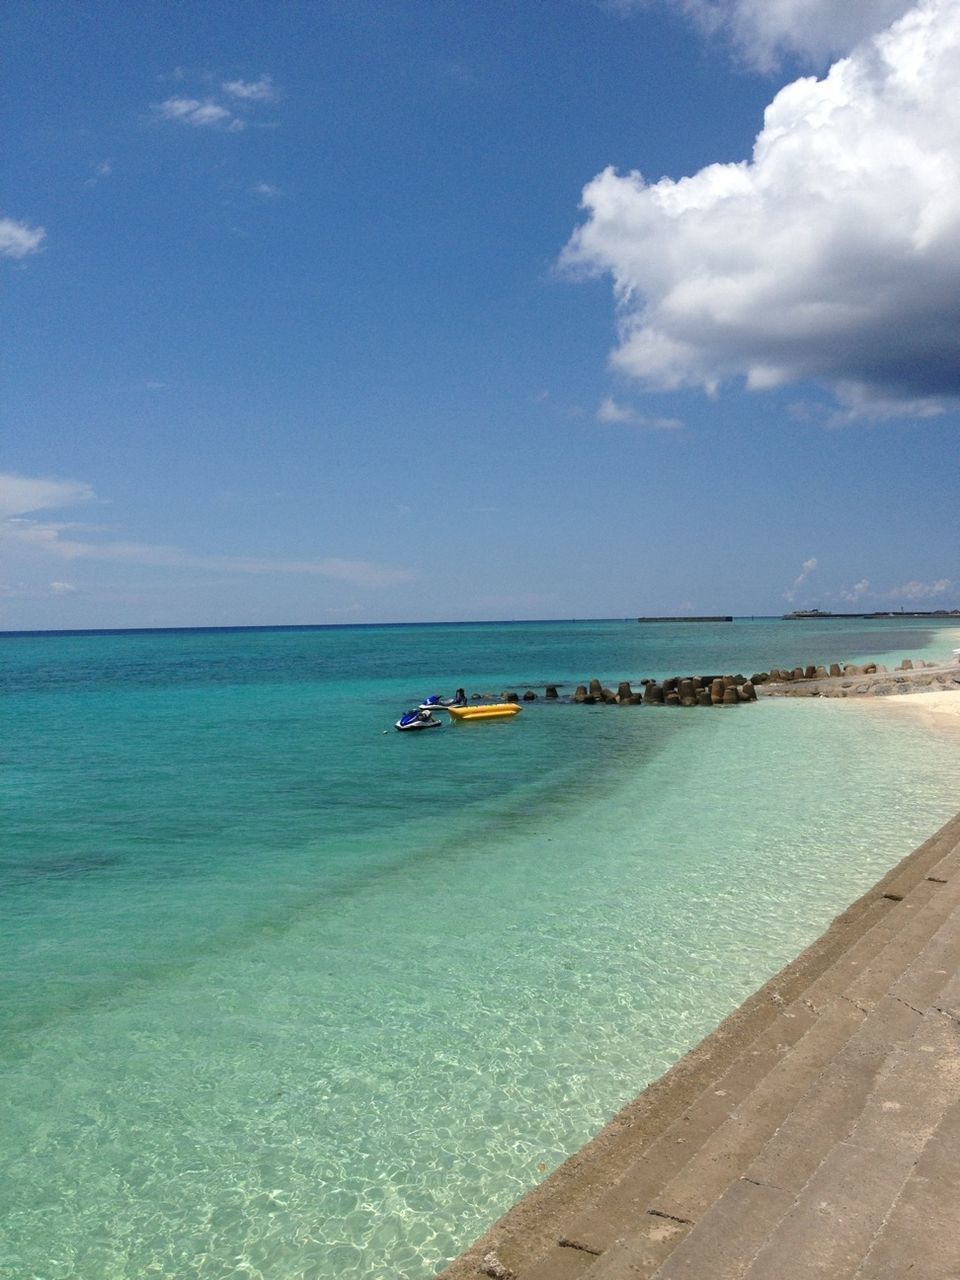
(936, 710)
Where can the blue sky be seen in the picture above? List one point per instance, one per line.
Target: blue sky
(382, 311)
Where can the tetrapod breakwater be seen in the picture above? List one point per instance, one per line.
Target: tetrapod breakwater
(811, 681)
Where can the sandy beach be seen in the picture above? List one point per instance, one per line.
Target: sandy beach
(937, 710)
(928, 689)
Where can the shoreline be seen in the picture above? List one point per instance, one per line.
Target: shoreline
(872, 681)
(929, 696)
(518, 1241)
(938, 710)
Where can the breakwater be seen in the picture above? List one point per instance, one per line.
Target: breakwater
(872, 679)
(676, 691)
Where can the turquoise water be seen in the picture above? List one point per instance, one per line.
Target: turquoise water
(289, 996)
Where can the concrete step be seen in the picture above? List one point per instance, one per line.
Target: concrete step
(903, 914)
(691, 1164)
(939, 886)
(832, 1226)
(791, 1155)
(595, 1229)
(919, 1237)
(937, 856)
(734, 1231)
(723, 1159)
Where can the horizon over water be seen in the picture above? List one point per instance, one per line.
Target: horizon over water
(291, 996)
(943, 617)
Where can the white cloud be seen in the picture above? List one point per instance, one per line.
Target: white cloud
(764, 30)
(833, 255)
(21, 496)
(261, 90)
(861, 589)
(806, 569)
(199, 114)
(267, 190)
(208, 112)
(17, 239)
(610, 411)
(908, 591)
(103, 170)
(919, 590)
(62, 588)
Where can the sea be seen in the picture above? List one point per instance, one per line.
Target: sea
(288, 995)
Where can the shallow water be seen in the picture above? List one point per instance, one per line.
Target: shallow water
(290, 996)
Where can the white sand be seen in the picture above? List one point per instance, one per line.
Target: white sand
(939, 710)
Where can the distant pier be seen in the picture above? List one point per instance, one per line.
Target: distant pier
(687, 618)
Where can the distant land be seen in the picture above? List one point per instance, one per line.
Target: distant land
(885, 613)
(718, 618)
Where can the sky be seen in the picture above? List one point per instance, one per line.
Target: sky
(420, 310)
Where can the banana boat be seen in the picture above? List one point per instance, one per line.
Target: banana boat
(484, 711)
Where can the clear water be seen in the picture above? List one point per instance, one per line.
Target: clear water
(289, 996)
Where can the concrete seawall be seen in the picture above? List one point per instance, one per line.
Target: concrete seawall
(700, 1164)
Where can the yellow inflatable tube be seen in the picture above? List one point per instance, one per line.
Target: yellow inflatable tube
(485, 711)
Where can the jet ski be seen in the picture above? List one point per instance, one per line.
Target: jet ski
(458, 700)
(418, 718)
